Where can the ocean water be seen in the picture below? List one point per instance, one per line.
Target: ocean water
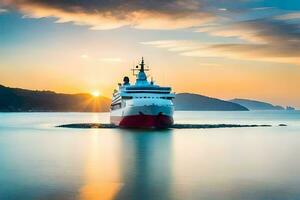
(39, 161)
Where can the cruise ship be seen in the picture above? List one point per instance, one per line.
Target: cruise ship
(142, 104)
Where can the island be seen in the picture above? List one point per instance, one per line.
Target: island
(193, 102)
(256, 105)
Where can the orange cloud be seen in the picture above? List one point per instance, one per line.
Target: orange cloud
(101, 15)
(261, 40)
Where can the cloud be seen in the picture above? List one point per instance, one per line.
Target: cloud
(266, 53)
(258, 31)
(84, 56)
(289, 16)
(2, 10)
(174, 45)
(261, 40)
(266, 37)
(111, 59)
(263, 8)
(99, 15)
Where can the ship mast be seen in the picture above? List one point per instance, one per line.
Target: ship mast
(141, 69)
(141, 76)
(142, 65)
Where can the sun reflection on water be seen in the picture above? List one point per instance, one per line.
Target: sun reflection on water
(102, 173)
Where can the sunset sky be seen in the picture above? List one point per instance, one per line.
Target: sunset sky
(219, 48)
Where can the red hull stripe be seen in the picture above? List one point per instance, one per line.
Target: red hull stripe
(142, 121)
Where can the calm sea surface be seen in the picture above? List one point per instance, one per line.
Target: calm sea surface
(41, 162)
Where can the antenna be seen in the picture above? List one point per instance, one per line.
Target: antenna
(141, 69)
(142, 65)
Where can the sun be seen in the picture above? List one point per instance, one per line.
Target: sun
(96, 93)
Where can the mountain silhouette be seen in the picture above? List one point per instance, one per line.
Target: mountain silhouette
(24, 100)
(256, 105)
(21, 100)
(188, 101)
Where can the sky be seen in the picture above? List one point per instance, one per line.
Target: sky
(218, 48)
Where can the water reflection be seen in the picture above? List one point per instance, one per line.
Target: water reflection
(102, 168)
(146, 165)
(128, 165)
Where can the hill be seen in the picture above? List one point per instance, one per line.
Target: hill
(256, 105)
(21, 100)
(187, 101)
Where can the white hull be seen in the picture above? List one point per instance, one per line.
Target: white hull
(146, 107)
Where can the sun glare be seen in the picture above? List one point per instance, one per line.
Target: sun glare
(96, 93)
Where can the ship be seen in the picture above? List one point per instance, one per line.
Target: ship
(142, 104)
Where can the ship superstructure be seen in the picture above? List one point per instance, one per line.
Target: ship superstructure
(143, 104)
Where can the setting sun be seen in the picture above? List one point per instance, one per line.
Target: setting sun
(96, 93)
